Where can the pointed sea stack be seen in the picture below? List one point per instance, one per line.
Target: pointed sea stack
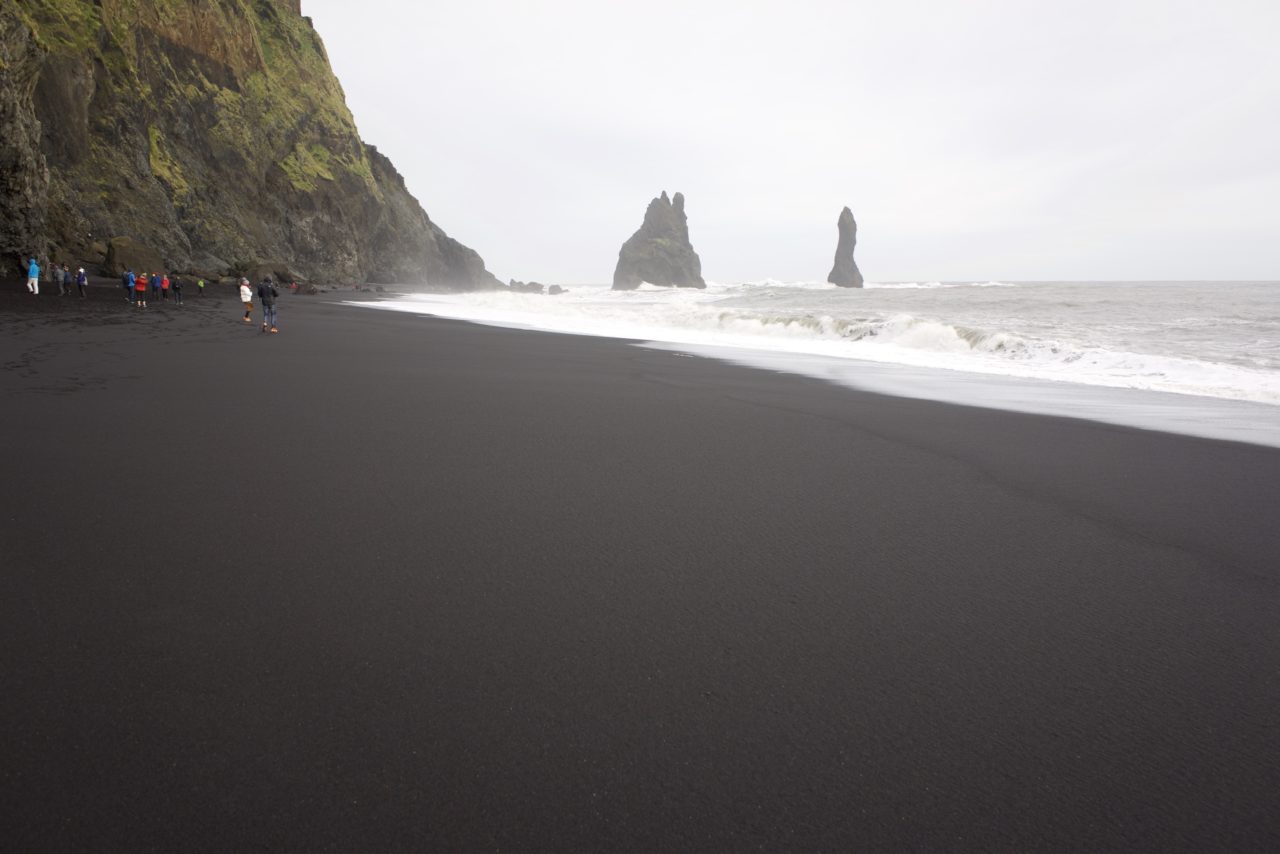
(845, 273)
(660, 252)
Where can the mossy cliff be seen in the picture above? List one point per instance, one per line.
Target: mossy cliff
(212, 132)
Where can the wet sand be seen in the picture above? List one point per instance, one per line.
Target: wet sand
(385, 582)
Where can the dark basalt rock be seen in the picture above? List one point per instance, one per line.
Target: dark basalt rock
(519, 287)
(845, 273)
(24, 176)
(660, 252)
(204, 130)
(556, 290)
(124, 253)
(278, 271)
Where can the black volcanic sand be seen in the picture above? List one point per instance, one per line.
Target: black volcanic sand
(384, 582)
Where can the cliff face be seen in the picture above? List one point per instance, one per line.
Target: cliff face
(660, 252)
(212, 132)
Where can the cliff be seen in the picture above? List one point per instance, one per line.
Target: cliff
(212, 133)
(660, 252)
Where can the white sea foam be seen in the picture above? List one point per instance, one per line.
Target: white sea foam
(1079, 334)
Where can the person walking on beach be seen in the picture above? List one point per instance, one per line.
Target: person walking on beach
(164, 286)
(128, 281)
(267, 293)
(140, 290)
(82, 283)
(177, 289)
(33, 277)
(246, 297)
(67, 278)
(199, 287)
(60, 279)
(155, 286)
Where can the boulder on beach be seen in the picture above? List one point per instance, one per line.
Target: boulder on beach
(209, 266)
(125, 253)
(845, 273)
(660, 252)
(279, 271)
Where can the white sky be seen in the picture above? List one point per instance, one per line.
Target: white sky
(973, 139)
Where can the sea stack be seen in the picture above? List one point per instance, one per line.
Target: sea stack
(660, 252)
(845, 273)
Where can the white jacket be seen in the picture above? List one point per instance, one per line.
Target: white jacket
(246, 295)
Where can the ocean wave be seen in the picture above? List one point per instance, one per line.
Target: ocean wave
(918, 286)
(783, 318)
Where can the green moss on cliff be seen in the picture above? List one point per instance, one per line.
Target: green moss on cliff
(305, 164)
(65, 25)
(164, 166)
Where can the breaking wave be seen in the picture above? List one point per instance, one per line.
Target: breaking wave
(1044, 334)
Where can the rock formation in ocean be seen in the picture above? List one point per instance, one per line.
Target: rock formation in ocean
(660, 252)
(210, 133)
(845, 273)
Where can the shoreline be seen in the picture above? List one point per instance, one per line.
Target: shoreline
(1184, 414)
(385, 581)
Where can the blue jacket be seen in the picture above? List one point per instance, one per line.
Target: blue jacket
(33, 271)
(133, 280)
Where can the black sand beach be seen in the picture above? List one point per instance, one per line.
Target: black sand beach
(387, 583)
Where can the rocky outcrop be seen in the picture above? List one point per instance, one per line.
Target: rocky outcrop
(845, 273)
(124, 253)
(24, 179)
(660, 252)
(212, 132)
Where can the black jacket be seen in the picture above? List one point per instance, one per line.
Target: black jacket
(267, 293)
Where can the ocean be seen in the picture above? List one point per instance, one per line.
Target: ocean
(1200, 358)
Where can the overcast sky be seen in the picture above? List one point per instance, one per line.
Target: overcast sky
(974, 140)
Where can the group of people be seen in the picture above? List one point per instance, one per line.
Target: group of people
(136, 287)
(267, 295)
(62, 276)
(160, 286)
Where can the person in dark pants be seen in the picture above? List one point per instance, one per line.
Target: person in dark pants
(82, 283)
(177, 289)
(267, 294)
